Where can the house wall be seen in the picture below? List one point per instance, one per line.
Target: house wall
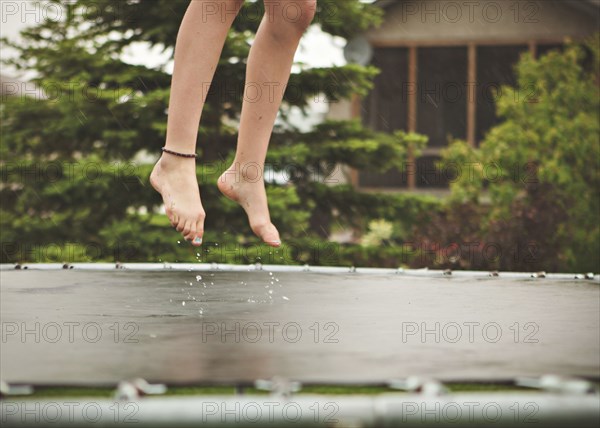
(444, 22)
(504, 27)
(340, 110)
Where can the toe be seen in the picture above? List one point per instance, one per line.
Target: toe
(276, 243)
(180, 225)
(191, 234)
(187, 227)
(197, 231)
(197, 237)
(172, 217)
(200, 225)
(269, 234)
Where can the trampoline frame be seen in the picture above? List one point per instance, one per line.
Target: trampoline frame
(384, 410)
(165, 266)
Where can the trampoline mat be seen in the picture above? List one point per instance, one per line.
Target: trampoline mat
(181, 327)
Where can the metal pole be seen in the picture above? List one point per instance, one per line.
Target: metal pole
(385, 410)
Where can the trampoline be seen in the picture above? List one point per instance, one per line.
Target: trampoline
(97, 325)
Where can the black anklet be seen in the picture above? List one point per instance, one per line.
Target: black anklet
(183, 155)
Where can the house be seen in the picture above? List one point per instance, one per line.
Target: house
(440, 63)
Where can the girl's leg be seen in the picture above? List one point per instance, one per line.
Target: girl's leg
(269, 66)
(199, 44)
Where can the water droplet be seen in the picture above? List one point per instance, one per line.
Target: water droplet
(270, 291)
(200, 311)
(198, 277)
(285, 298)
(182, 303)
(270, 273)
(179, 242)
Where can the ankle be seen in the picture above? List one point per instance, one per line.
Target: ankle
(170, 162)
(245, 172)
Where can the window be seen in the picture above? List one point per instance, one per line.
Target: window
(544, 49)
(442, 94)
(495, 68)
(386, 108)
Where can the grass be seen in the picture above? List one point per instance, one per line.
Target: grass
(107, 392)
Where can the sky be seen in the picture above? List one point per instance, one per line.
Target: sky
(317, 49)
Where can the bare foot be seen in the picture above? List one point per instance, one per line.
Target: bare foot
(175, 179)
(250, 193)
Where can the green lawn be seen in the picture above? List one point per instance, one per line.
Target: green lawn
(107, 392)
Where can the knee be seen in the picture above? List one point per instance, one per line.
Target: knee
(291, 17)
(302, 14)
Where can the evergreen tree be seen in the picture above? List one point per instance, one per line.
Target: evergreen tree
(73, 188)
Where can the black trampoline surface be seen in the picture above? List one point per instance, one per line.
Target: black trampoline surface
(181, 327)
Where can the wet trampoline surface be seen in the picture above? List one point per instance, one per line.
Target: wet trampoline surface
(180, 327)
